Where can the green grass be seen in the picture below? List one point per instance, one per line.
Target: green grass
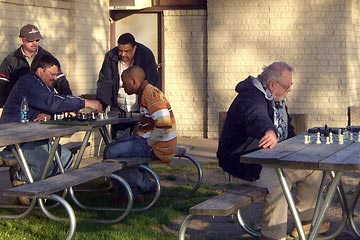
(151, 224)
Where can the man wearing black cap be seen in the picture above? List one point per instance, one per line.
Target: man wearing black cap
(18, 63)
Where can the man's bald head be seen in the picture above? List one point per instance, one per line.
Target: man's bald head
(132, 79)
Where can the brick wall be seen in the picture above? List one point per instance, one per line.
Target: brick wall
(318, 38)
(207, 52)
(75, 31)
(185, 69)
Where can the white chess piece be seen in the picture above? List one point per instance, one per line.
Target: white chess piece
(341, 139)
(107, 110)
(306, 139)
(331, 137)
(327, 140)
(318, 141)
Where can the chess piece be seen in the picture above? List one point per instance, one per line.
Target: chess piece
(341, 139)
(318, 141)
(331, 137)
(326, 131)
(306, 139)
(107, 110)
(327, 140)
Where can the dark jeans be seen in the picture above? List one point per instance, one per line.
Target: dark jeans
(131, 147)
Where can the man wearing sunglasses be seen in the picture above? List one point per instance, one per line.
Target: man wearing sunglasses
(18, 63)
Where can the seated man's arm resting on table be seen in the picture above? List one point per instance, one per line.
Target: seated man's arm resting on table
(269, 140)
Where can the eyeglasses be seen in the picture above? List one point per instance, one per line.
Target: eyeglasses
(286, 88)
(52, 74)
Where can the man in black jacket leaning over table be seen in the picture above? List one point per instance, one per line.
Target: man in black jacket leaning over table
(258, 118)
(110, 90)
(18, 63)
(43, 101)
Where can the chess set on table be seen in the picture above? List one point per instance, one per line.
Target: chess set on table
(326, 135)
(83, 117)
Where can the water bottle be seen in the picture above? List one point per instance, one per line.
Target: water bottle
(24, 109)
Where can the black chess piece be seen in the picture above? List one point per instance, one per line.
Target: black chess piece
(326, 131)
(122, 113)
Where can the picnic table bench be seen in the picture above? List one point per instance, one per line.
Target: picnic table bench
(47, 188)
(230, 202)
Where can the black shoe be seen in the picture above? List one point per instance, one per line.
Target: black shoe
(123, 197)
(150, 188)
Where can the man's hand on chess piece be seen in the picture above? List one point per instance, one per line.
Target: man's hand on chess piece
(42, 117)
(94, 104)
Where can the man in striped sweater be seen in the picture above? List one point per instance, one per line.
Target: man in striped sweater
(156, 135)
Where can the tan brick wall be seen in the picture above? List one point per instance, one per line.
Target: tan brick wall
(318, 38)
(185, 69)
(75, 31)
(208, 52)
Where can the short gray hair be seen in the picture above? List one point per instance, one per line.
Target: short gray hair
(274, 71)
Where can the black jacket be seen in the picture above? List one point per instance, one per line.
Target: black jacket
(109, 79)
(250, 115)
(41, 99)
(15, 65)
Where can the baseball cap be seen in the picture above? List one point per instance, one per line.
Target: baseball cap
(30, 33)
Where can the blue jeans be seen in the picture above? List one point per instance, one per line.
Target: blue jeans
(36, 154)
(131, 147)
(128, 147)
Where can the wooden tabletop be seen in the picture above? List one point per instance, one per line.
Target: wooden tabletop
(13, 133)
(294, 153)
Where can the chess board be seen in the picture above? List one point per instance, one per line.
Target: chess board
(325, 135)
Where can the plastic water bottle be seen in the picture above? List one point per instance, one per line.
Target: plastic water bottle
(24, 109)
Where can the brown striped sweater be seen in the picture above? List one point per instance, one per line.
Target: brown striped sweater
(157, 122)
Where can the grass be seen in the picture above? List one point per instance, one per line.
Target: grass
(147, 225)
(153, 224)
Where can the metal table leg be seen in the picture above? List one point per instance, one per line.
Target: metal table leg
(183, 227)
(291, 203)
(68, 209)
(354, 201)
(326, 204)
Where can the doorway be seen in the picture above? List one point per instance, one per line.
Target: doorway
(146, 28)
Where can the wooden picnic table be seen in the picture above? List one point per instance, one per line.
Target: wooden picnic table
(14, 134)
(295, 154)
